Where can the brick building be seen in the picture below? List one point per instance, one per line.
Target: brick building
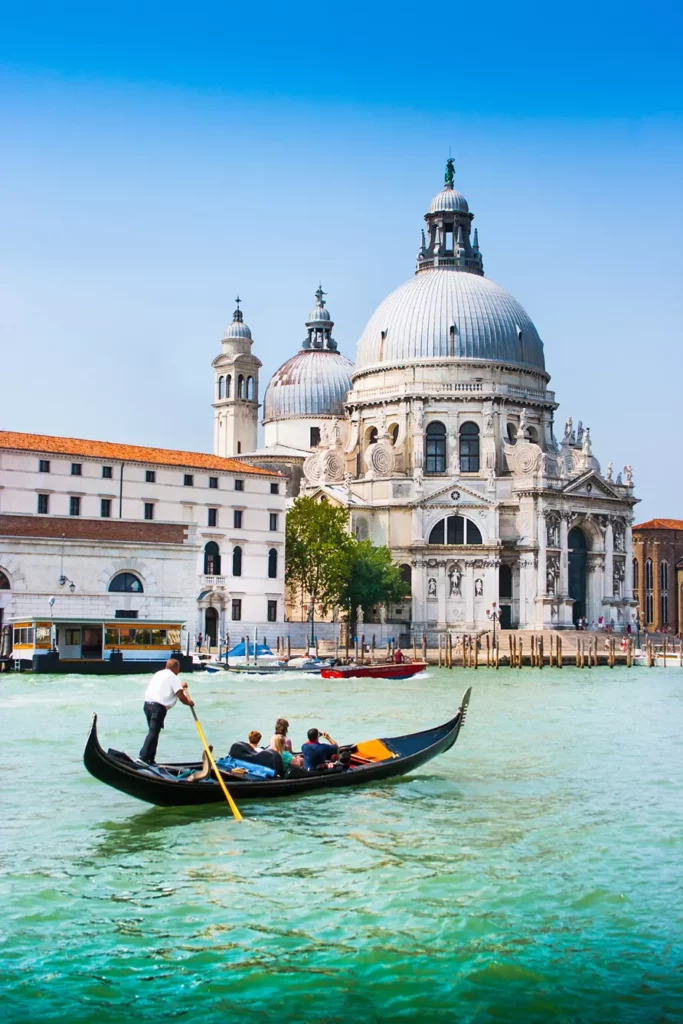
(658, 573)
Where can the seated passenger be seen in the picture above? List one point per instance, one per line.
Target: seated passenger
(398, 656)
(314, 752)
(288, 758)
(281, 729)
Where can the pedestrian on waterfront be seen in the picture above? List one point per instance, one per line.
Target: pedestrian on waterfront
(163, 690)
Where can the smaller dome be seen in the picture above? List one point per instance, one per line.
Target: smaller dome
(237, 329)
(448, 201)
(318, 314)
(311, 383)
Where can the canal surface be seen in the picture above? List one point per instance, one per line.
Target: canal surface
(532, 873)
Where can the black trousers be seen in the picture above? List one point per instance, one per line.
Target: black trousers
(155, 714)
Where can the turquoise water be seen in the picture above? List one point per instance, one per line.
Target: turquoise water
(532, 873)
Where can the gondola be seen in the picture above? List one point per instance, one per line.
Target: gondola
(372, 761)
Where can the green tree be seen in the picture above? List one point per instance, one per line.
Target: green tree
(372, 578)
(318, 551)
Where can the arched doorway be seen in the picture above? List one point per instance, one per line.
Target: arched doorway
(211, 627)
(576, 543)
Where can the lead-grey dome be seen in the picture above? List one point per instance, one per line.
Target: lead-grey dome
(311, 383)
(448, 200)
(417, 318)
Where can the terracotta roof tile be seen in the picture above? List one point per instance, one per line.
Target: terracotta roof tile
(660, 524)
(45, 444)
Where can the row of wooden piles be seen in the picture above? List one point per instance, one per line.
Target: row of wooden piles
(474, 654)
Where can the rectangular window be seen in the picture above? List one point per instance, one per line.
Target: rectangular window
(76, 469)
(239, 447)
(239, 485)
(274, 488)
(107, 472)
(74, 506)
(236, 609)
(150, 476)
(273, 521)
(315, 436)
(43, 504)
(72, 637)
(272, 611)
(44, 466)
(105, 508)
(149, 510)
(213, 516)
(213, 483)
(188, 480)
(237, 518)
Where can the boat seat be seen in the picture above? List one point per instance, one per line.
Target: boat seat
(373, 750)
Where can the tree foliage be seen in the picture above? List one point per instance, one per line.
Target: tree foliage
(332, 567)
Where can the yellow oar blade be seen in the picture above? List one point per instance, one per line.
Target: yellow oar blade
(226, 792)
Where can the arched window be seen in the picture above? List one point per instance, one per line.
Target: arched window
(435, 448)
(648, 576)
(372, 435)
(237, 561)
(212, 559)
(649, 608)
(4, 582)
(664, 575)
(393, 433)
(250, 388)
(221, 381)
(240, 386)
(664, 608)
(455, 530)
(228, 385)
(512, 433)
(469, 448)
(272, 564)
(125, 583)
(635, 573)
(407, 574)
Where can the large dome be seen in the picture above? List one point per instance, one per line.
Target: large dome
(414, 323)
(311, 383)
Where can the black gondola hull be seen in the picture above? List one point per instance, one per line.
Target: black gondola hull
(413, 750)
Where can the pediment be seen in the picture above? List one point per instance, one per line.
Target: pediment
(590, 485)
(338, 495)
(455, 495)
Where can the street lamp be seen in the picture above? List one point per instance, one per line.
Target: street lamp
(51, 602)
(493, 614)
(65, 579)
(638, 628)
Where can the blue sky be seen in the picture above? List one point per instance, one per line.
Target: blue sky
(158, 159)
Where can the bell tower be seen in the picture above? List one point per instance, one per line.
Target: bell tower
(235, 391)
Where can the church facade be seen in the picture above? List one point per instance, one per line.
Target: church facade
(441, 442)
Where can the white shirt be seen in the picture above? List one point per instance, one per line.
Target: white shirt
(163, 687)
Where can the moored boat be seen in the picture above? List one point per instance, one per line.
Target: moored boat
(402, 670)
(371, 761)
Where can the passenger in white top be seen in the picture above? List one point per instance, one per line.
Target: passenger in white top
(163, 690)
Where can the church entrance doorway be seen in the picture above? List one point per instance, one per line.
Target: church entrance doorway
(577, 571)
(211, 627)
(505, 616)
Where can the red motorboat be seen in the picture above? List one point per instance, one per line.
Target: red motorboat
(402, 670)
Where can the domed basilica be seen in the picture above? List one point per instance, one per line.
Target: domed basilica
(440, 441)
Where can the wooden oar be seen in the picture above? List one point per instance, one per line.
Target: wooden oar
(233, 806)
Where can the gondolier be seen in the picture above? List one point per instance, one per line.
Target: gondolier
(163, 690)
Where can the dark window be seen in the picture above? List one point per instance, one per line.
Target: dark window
(221, 381)
(272, 611)
(512, 433)
(272, 564)
(228, 385)
(213, 516)
(393, 433)
(315, 436)
(125, 583)
(149, 510)
(4, 582)
(649, 608)
(635, 578)
(469, 448)
(212, 559)
(505, 581)
(74, 506)
(455, 530)
(239, 485)
(237, 561)
(273, 521)
(126, 613)
(648, 576)
(76, 469)
(44, 466)
(250, 388)
(213, 483)
(239, 447)
(664, 575)
(43, 504)
(237, 518)
(407, 574)
(372, 436)
(236, 609)
(150, 476)
(107, 472)
(274, 488)
(105, 508)
(72, 637)
(240, 386)
(435, 448)
(188, 480)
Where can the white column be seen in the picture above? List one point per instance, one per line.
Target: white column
(628, 548)
(541, 583)
(564, 557)
(609, 561)
(419, 588)
(469, 594)
(441, 593)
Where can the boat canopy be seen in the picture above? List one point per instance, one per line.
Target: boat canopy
(240, 650)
